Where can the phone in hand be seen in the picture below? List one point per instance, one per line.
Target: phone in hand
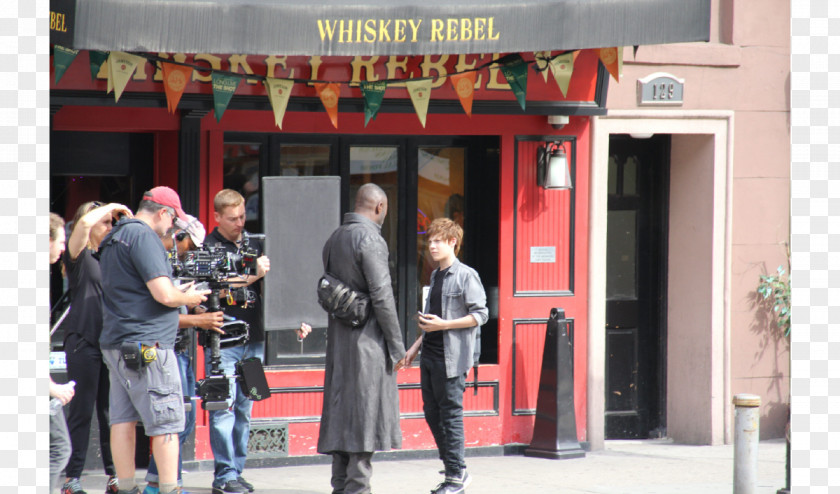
(418, 315)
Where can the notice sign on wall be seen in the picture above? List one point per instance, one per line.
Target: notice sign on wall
(543, 254)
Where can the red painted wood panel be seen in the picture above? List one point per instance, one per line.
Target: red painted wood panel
(543, 221)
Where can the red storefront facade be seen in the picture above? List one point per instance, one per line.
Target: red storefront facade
(193, 152)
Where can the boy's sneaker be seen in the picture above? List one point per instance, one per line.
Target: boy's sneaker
(245, 484)
(72, 486)
(112, 487)
(136, 490)
(151, 489)
(454, 485)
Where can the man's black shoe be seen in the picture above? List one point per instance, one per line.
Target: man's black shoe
(245, 484)
(232, 486)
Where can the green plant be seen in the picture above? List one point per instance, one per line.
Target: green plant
(777, 286)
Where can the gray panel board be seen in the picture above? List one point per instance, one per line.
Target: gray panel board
(299, 214)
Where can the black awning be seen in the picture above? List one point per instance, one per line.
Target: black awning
(375, 27)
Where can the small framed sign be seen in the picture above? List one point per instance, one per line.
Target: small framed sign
(543, 254)
(660, 89)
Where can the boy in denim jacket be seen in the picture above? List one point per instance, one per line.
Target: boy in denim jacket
(455, 307)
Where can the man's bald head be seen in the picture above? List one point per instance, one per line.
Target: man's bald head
(372, 202)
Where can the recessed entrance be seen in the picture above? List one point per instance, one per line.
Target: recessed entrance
(637, 234)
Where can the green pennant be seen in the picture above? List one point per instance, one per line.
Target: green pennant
(223, 88)
(62, 58)
(96, 60)
(373, 93)
(516, 73)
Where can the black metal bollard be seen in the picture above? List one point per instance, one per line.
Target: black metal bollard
(555, 429)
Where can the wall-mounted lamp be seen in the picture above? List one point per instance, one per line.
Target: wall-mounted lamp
(553, 167)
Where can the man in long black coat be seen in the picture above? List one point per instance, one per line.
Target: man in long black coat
(361, 412)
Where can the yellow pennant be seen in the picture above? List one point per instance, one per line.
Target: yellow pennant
(279, 91)
(540, 57)
(420, 92)
(122, 66)
(561, 69)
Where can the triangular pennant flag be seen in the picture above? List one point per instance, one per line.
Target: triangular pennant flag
(611, 59)
(110, 79)
(175, 79)
(464, 85)
(635, 50)
(373, 92)
(122, 66)
(420, 91)
(96, 60)
(562, 67)
(542, 60)
(223, 88)
(62, 58)
(329, 94)
(279, 91)
(516, 73)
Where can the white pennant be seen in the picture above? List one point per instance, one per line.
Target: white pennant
(279, 91)
(121, 67)
(420, 92)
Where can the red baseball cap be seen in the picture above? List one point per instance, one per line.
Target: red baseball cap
(166, 197)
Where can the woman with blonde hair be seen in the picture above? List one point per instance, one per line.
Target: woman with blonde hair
(83, 325)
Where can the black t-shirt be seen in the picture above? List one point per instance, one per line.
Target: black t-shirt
(130, 256)
(253, 314)
(85, 284)
(433, 342)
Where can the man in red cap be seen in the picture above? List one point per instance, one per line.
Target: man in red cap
(138, 337)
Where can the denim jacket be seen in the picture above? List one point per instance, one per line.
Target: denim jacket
(462, 294)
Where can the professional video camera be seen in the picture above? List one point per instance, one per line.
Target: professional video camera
(213, 267)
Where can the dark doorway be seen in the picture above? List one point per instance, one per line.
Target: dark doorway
(637, 252)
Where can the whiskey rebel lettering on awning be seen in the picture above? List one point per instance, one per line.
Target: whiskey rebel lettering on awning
(381, 27)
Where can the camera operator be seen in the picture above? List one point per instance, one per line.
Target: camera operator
(182, 238)
(140, 320)
(229, 428)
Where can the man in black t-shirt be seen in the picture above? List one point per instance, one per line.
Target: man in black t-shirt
(141, 311)
(229, 428)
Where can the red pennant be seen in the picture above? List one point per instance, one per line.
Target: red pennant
(175, 79)
(464, 85)
(329, 94)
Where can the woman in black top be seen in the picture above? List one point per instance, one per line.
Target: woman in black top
(81, 341)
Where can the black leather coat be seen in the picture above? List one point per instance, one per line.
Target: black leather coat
(361, 405)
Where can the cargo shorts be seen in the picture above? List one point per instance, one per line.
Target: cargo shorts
(151, 395)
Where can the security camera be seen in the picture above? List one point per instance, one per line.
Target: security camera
(558, 121)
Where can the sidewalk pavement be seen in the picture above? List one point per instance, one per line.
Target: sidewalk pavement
(654, 466)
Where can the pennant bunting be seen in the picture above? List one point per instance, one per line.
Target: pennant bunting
(561, 69)
(611, 58)
(279, 91)
(96, 60)
(62, 58)
(464, 85)
(373, 93)
(175, 79)
(121, 67)
(224, 86)
(420, 92)
(329, 94)
(541, 59)
(107, 67)
(515, 71)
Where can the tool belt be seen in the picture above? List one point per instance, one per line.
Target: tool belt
(136, 355)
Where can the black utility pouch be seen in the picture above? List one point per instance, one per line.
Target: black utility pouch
(131, 355)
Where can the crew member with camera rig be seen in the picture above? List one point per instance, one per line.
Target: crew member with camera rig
(229, 427)
(180, 241)
(140, 320)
